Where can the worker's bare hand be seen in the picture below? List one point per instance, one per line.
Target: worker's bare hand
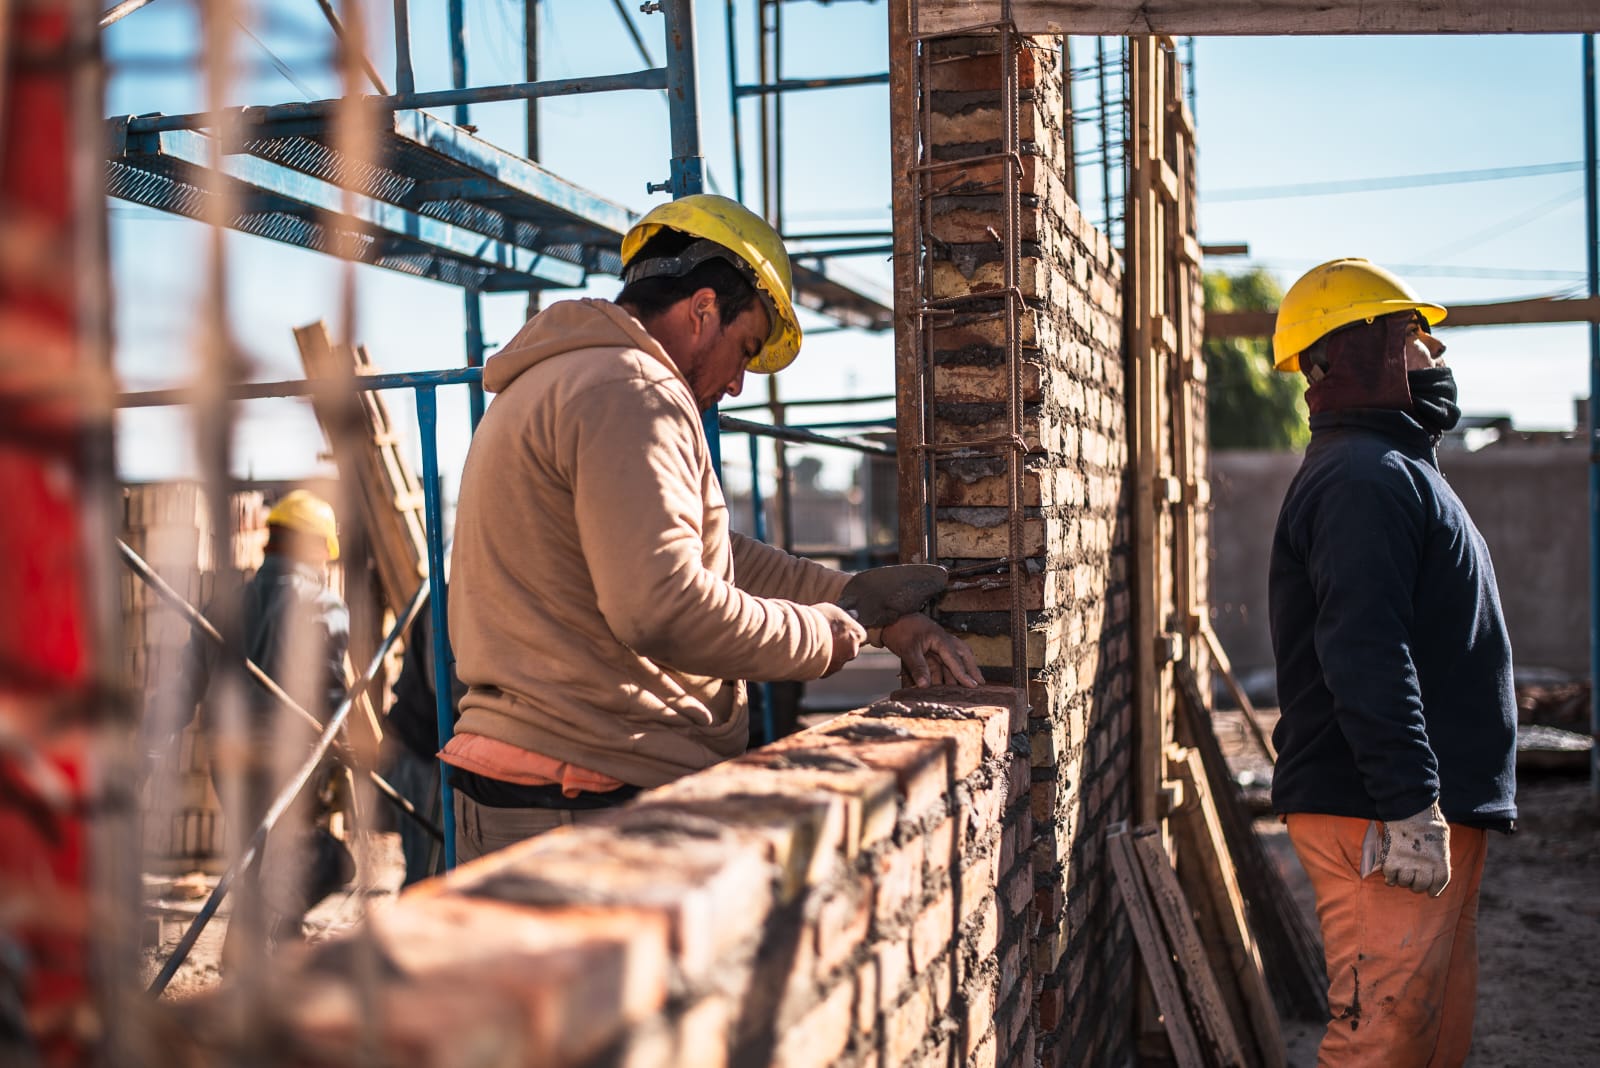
(848, 636)
(931, 655)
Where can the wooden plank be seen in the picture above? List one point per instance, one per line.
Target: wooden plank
(1195, 971)
(1290, 947)
(905, 106)
(1219, 657)
(1256, 18)
(1153, 949)
(1204, 853)
(1498, 313)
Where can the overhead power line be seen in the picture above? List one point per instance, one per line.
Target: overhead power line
(1398, 181)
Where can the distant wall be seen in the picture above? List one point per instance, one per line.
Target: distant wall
(1528, 502)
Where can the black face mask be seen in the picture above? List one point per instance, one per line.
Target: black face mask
(1433, 399)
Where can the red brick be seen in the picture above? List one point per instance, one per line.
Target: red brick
(985, 1055)
(939, 847)
(979, 878)
(868, 995)
(1021, 778)
(818, 1039)
(899, 881)
(704, 1033)
(687, 880)
(907, 1027)
(987, 805)
(933, 931)
(921, 769)
(842, 923)
(1051, 1002)
(1049, 904)
(989, 928)
(582, 976)
(894, 971)
(965, 737)
(1018, 890)
(979, 1017)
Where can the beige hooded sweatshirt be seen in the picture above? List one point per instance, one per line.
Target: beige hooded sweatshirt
(598, 603)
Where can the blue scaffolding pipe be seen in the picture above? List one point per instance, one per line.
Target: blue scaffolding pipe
(458, 57)
(813, 402)
(474, 302)
(405, 81)
(758, 524)
(834, 253)
(653, 79)
(443, 661)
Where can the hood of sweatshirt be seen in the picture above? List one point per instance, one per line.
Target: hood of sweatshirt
(568, 326)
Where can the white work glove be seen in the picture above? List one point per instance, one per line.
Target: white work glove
(1416, 852)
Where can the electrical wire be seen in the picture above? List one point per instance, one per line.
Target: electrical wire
(1399, 181)
(277, 63)
(1489, 233)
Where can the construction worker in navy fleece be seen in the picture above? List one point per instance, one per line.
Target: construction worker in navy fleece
(1398, 731)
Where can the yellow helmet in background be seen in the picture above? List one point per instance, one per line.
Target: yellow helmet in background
(303, 511)
(1337, 294)
(752, 243)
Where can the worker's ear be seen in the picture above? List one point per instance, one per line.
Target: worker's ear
(703, 312)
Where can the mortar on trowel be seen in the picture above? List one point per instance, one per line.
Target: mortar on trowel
(881, 595)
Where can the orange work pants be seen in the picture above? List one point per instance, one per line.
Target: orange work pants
(1402, 966)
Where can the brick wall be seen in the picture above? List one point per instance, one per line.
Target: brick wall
(857, 894)
(1077, 519)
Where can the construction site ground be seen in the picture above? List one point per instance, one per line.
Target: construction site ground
(1538, 920)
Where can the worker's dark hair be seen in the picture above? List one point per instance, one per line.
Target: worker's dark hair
(652, 296)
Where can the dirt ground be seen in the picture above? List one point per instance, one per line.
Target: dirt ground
(1538, 923)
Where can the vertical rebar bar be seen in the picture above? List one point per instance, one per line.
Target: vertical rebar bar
(1591, 188)
(428, 428)
(1105, 135)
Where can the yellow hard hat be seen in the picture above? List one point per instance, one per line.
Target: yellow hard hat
(753, 243)
(1338, 293)
(307, 513)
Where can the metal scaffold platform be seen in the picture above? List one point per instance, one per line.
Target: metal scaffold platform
(432, 201)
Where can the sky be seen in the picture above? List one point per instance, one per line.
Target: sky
(1271, 112)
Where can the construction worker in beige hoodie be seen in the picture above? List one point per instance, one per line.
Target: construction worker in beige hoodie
(601, 611)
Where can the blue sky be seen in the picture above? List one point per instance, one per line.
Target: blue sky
(1271, 111)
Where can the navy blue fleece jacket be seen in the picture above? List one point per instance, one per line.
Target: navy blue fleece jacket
(1394, 667)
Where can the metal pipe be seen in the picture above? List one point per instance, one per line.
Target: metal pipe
(803, 437)
(653, 79)
(122, 11)
(835, 253)
(474, 302)
(1591, 188)
(193, 616)
(758, 527)
(458, 56)
(1105, 137)
(814, 402)
(428, 427)
(337, 24)
(841, 235)
(285, 797)
(683, 100)
(405, 81)
(789, 84)
(733, 103)
(307, 387)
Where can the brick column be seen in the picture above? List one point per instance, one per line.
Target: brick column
(1076, 497)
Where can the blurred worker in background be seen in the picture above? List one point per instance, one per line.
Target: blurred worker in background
(1398, 732)
(297, 630)
(601, 610)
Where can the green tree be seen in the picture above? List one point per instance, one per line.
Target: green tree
(1248, 404)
